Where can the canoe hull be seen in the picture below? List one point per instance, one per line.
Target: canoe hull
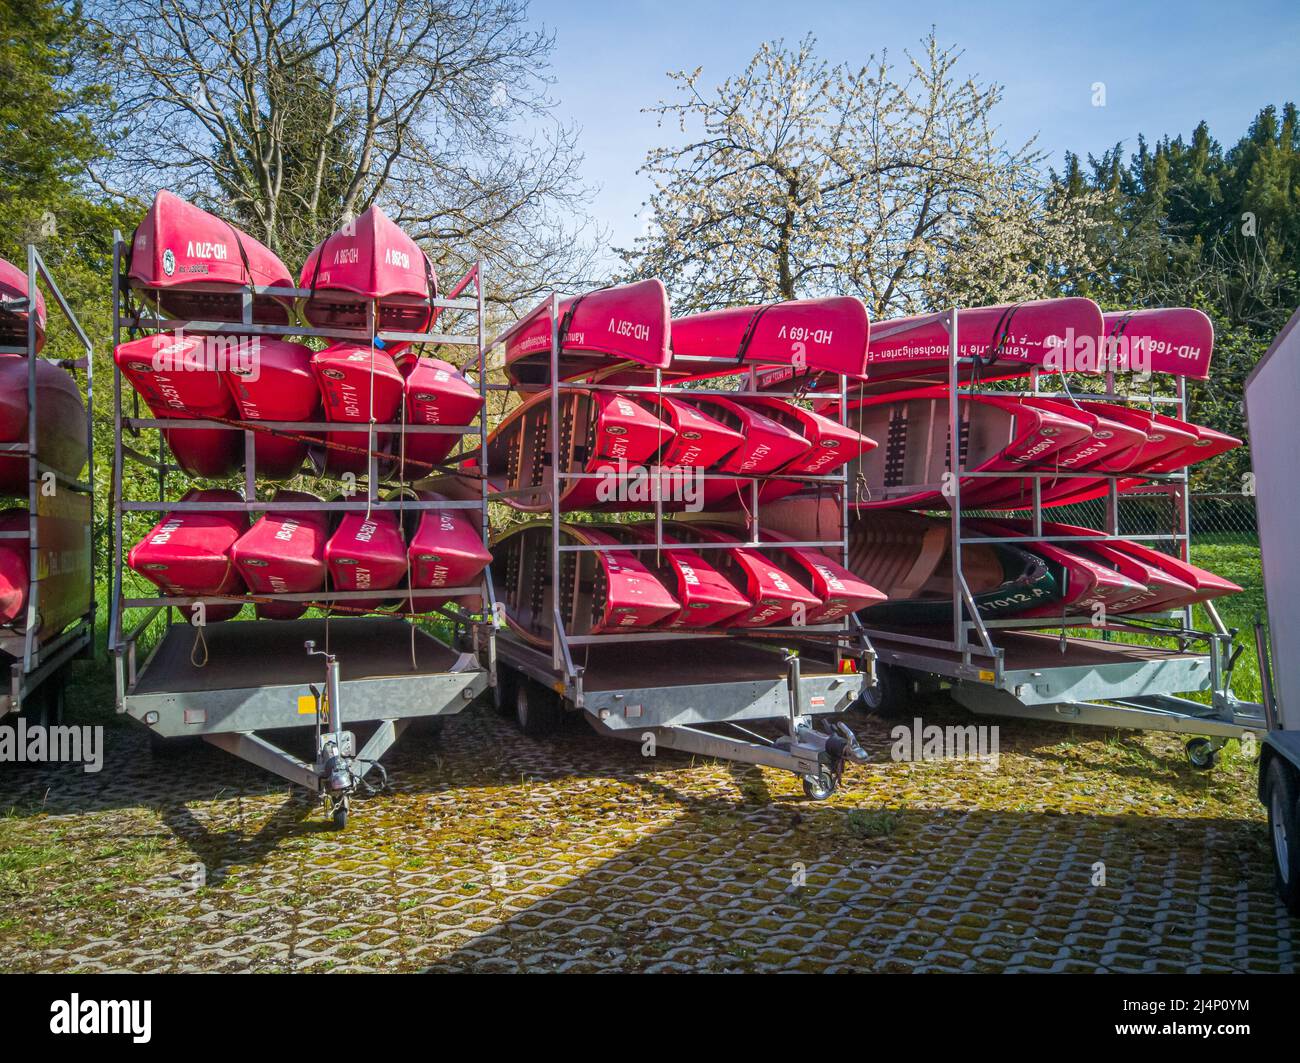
(189, 264)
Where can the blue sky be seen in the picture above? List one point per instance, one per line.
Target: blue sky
(1165, 67)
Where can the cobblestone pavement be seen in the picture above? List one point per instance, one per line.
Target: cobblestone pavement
(496, 852)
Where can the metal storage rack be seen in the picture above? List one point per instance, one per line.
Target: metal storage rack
(1010, 668)
(821, 673)
(36, 665)
(384, 670)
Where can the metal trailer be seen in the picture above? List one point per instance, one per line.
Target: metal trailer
(1271, 391)
(37, 664)
(230, 682)
(671, 685)
(1012, 668)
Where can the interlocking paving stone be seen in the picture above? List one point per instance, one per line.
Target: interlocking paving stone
(491, 851)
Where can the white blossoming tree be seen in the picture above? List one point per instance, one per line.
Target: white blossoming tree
(798, 178)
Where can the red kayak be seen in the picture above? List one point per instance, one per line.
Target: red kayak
(277, 384)
(62, 560)
(356, 383)
(436, 393)
(189, 264)
(807, 335)
(188, 554)
(283, 553)
(369, 260)
(605, 592)
(13, 322)
(1172, 445)
(177, 379)
(1176, 340)
(627, 323)
(841, 592)
(445, 550)
(60, 421)
(367, 552)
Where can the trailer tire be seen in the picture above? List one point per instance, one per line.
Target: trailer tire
(537, 709)
(503, 694)
(820, 786)
(1283, 804)
(888, 697)
(1202, 754)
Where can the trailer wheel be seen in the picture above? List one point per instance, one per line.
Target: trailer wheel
(888, 697)
(503, 694)
(1280, 797)
(537, 709)
(1202, 754)
(820, 786)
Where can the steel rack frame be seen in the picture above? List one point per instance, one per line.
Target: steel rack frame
(383, 669)
(675, 708)
(1099, 683)
(33, 660)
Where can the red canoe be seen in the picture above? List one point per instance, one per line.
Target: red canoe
(775, 593)
(1111, 445)
(436, 393)
(356, 383)
(445, 550)
(15, 568)
(283, 553)
(190, 264)
(627, 323)
(177, 379)
(276, 384)
(605, 592)
(601, 432)
(999, 435)
(188, 554)
(60, 421)
(808, 335)
(369, 260)
(1176, 340)
(768, 446)
(13, 322)
(707, 598)
(367, 552)
(832, 445)
(1088, 581)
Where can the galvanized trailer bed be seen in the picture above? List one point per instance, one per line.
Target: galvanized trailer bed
(259, 677)
(1037, 675)
(671, 691)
